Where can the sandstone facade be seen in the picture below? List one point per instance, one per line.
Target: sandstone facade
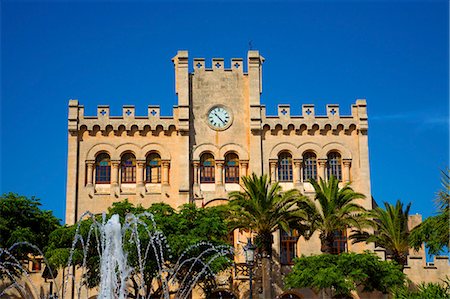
(219, 131)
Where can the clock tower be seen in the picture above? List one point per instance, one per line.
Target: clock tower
(224, 102)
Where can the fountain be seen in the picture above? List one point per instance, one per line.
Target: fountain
(114, 243)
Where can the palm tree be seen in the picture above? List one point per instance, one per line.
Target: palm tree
(332, 210)
(390, 230)
(263, 208)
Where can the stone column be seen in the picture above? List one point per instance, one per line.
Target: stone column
(244, 168)
(273, 170)
(115, 172)
(90, 172)
(219, 172)
(321, 169)
(140, 172)
(115, 164)
(165, 171)
(140, 180)
(346, 174)
(297, 171)
(196, 165)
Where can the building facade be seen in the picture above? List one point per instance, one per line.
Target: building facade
(219, 132)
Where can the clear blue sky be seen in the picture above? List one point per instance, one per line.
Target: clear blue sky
(395, 54)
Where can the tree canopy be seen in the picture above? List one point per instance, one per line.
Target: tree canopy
(391, 230)
(336, 210)
(24, 230)
(344, 273)
(22, 220)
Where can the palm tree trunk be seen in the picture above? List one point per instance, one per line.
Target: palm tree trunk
(400, 258)
(266, 277)
(326, 243)
(266, 254)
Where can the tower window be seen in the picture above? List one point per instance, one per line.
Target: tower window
(102, 169)
(153, 168)
(231, 168)
(285, 167)
(334, 167)
(128, 168)
(309, 166)
(207, 168)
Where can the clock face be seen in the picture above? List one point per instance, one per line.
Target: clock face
(219, 118)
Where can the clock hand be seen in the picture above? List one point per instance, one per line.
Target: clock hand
(219, 118)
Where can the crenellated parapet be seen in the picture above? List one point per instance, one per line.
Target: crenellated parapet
(310, 122)
(128, 121)
(218, 65)
(419, 270)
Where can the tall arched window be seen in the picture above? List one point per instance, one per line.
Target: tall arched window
(285, 167)
(207, 168)
(128, 168)
(231, 168)
(102, 169)
(334, 165)
(153, 168)
(309, 166)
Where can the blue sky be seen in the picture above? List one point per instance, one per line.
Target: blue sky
(394, 54)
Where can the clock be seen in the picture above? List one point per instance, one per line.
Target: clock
(219, 118)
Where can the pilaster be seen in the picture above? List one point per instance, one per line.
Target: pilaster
(297, 172)
(115, 189)
(346, 174)
(165, 172)
(243, 168)
(273, 170)
(196, 165)
(321, 168)
(140, 185)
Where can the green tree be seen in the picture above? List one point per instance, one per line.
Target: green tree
(390, 230)
(344, 273)
(334, 209)
(263, 208)
(22, 220)
(434, 231)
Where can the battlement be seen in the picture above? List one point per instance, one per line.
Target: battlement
(418, 270)
(308, 120)
(128, 121)
(218, 64)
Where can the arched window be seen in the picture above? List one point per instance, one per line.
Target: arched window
(288, 250)
(231, 168)
(309, 166)
(102, 169)
(340, 242)
(153, 168)
(285, 167)
(334, 165)
(207, 168)
(128, 168)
